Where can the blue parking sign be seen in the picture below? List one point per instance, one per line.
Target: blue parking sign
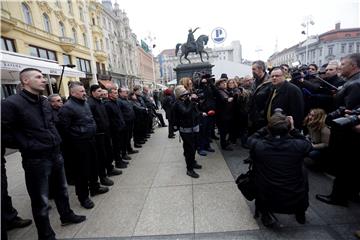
(218, 35)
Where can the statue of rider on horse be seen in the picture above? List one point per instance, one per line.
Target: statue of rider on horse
(193, 46)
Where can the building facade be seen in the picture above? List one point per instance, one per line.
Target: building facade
(93, 36)
(146, 68)
(321, 49)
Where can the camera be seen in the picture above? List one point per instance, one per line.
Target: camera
(346, 121)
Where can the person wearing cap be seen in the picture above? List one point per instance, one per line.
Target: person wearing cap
(186, 121)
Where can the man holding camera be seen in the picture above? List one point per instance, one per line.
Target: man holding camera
(345, 138)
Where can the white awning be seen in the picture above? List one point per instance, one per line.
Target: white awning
(172, 82)
(13, 63)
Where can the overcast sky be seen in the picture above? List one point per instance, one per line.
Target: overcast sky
(259, 25)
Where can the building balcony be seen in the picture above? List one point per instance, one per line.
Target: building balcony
(96, 31)
(67, 44)
(7, 22)
(100, 55)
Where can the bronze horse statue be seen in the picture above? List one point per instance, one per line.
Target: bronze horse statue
(200, 44)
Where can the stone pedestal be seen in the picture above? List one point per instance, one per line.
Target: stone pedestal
(188, 70)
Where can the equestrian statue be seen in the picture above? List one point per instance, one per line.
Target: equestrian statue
(198, 46)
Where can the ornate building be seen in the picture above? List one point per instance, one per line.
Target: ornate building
(120, 45)
(320, 49)
(94, 37)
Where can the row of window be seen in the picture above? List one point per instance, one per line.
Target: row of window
(35, 51)
(331, 50)
(62, 31)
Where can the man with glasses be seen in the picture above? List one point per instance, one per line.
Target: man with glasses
(286, 96)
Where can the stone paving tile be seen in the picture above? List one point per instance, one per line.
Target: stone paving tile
(167, 210)
(316, 233)
(173, 154)
(167, 237)
(239, 235)
(141, 176)
(158, 201)
(219, 207)
(346, 231)
(172, 174)
(117, 215)
(214, 170)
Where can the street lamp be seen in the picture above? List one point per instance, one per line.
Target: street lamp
(151, 40)
(62, 73)
(308, 20)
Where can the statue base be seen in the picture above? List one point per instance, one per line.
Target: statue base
(188, 70)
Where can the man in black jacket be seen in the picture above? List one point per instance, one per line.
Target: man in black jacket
(281, 184)
(129, 116)
(286, 96)
(345, 140)
(78, 125)
(27, 118)
(117, 127)
(102, 136)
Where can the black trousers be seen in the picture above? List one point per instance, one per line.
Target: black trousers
(347, 178)
(37, 173)
(8, 212)
(129, 130)
(223, 126)
(189, 145)
(161, 119)
(85, 166)
(205, 133)
(170, 128)
(104, 160)
(116, 140)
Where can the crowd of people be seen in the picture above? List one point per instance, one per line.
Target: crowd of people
(285, 117)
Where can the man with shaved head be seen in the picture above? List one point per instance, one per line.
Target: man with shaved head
(27, 121)
(79, 128)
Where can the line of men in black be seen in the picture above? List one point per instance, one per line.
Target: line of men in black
(97, 132)
(93, 133)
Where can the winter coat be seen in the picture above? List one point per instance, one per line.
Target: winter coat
(76, 120)
(27, 123)
(280, 180)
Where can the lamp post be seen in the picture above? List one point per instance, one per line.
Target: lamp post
(62, 73)
(151, 40)
(308, 20)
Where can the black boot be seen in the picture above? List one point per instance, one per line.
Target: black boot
(18, 222)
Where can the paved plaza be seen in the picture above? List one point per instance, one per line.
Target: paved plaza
(155, 199)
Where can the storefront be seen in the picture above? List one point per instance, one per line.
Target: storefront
(12, 63)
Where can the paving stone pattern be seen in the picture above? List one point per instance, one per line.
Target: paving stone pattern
(155, 199)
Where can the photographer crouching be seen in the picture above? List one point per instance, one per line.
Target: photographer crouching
(345, 136)
(186, 119)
